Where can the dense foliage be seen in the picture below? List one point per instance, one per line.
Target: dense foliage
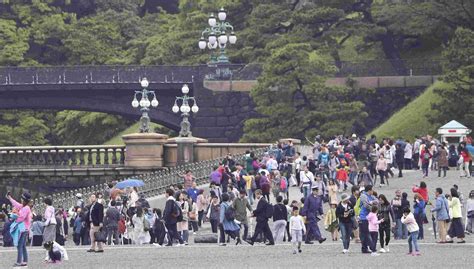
(300, 42)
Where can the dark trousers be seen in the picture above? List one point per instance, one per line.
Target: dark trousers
(444, 171)
(200, 217)
(382, 176)
(246, 230)
(384, 231)
(173, 233)
(194, 225)
(346, 231)
(373, 244)
(419, 221)
(424, 166)
(76, 238)
(400, 168)
(288, 234)
(407, 165)
(416, 158)
(37, 241)
(233, 234)
(214, 224)
(364, 235)
(262, 227)
(313, 230)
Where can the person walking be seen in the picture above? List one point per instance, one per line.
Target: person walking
(241, 205)
(49, 232)
(95, 220)
(399, 158)
(297, 229)
(442, 214)
(202, 203)
(345, 214)
(20, 227)
(262, 214)
(112, 217)
(366, 202)
(425, 157)
(280, 215)
(442, 160)
(470, 213)
(171, 215)
(306, 179)
(408, 155)
(419, 213)
(183, 225)
(464, 160)
(141, 233)
(227, 221)
(382, 167)
(456, 229)
(374, 223)
(313, 210)
(385, 228)
(409, 220)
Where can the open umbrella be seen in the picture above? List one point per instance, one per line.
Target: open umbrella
(127, 183)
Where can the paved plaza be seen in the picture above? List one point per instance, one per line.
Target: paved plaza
(326, 255)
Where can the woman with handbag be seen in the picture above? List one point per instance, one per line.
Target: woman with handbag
(183, 226)
(49, 232)
(456, 229)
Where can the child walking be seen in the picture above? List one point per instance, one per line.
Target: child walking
(297, 229)
(413, 230)
(374, 229)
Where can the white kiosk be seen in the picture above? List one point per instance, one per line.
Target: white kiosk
(453, 132)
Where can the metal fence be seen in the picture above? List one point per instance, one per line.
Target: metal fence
(155, 183)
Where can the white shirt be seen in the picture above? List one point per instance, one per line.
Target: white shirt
(58, 248)
(297, 223)
(133, 198)
(306, 177)
(408, 151)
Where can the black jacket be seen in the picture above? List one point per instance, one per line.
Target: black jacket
(259, 212)
(340, 213)
(280, 212)
(96, 212)
(168, 212)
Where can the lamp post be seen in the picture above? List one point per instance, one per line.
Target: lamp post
(216, 35)
(185, 110)
(144, 105)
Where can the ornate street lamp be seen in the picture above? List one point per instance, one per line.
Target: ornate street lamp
(185, 110)
(218, 34)
(144, 105)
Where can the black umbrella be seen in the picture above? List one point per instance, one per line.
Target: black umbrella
(434, 224)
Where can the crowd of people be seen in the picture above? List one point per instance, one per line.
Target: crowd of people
(342, 172)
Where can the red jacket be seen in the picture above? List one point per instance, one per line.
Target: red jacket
(465, 155)
(422, 191)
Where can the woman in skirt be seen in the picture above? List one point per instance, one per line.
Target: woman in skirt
(456, 229)
(470, 213)
(49, 232)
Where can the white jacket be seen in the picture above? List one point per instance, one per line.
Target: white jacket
(410, 221)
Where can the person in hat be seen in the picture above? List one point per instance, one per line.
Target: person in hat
(313, 209)
(331, 222)
(21, 227)
(345, 214)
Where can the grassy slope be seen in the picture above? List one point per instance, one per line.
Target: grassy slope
(117, 140)
(411, 120)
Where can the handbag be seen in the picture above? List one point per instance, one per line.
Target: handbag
(447, 211)
(146, 225)
(355, 223)
(192, 215)
(101, 236)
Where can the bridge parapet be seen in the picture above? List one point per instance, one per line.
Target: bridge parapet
(62, 156)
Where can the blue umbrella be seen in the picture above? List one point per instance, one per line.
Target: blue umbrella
(127, 183)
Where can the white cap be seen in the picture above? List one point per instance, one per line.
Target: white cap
(354, 135)
(78, 195)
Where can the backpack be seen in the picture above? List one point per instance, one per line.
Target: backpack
(177, 212)
(426, 156)
(283, 184)
(269, 211)
(324, 159)
(229, 213)
(146, 224)
(121, 226)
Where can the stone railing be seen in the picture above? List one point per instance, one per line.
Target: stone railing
(155, 183)
(62, 156)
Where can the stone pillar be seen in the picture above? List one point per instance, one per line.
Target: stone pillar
(144, 150)
(185, 148)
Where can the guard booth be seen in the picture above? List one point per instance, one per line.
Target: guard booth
(453, 132)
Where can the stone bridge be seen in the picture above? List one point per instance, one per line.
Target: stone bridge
(222, 96)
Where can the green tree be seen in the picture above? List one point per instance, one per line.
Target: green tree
(294, 100)
(456, 101)
(13, 43)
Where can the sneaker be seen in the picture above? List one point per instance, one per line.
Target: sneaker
(180, 245)
(194, 233)
(321, 240)
(222, 244)
(157, 245)
(387, 249)
(344, 251)
(294, 251)
(249, 242)
(374, 254)
(382, 250)
(91, 250)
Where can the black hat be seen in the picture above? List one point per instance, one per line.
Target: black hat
(26, 196)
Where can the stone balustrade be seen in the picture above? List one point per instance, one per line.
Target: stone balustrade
(60, 156)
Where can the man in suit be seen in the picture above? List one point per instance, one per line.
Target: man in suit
(170, 216)
(95, 218)
(262, 220)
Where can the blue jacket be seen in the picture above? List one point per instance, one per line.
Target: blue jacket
(193, 193)
(441, 208)
(313, 207)
(365, 206)
(228, 225)
(419, 208)
(16, 229)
